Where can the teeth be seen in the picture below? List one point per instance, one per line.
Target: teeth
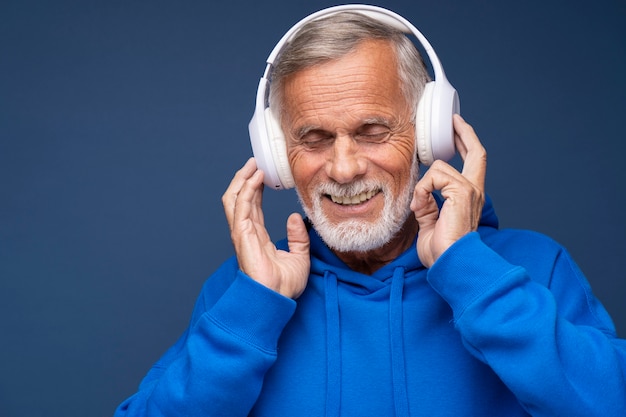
(356, 199)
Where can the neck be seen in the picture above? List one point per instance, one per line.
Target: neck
(370, 261)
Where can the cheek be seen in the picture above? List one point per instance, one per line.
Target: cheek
(304, 166)
(399, 159)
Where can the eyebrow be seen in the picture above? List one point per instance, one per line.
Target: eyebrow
(377, 121)
(302, 131)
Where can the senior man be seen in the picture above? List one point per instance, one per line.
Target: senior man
(385, 300)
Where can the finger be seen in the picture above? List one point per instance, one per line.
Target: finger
(439, 176)
(455, 188)
(247, 204)
(230, 195)
(472, 152)
(256, 182)
(424, 205)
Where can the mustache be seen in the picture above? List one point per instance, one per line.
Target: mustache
(351, 189)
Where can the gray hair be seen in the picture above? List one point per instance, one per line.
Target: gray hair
(337, 35)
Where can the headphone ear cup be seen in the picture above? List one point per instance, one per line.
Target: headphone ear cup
(423, 117)
(268, 143)
(445, 102)
(434, 133)
(278, 147)
(262, 142)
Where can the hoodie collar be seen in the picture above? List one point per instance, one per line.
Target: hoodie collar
(323, 259)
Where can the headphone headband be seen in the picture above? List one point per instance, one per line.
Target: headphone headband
(434, 132)
(377, 13)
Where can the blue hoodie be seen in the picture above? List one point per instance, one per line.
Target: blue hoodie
(504, 324)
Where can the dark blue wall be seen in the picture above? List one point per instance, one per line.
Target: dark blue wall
(121, 124)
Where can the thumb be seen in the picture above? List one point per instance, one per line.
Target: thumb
(297, 235)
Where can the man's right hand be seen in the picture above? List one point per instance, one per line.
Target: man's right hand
(284, 272)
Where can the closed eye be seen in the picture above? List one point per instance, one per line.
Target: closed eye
(373, 133)
(316, 138)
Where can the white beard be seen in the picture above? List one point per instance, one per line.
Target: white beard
(358, 235)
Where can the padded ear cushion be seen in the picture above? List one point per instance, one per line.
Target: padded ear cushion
(278, 146)
(423, 117)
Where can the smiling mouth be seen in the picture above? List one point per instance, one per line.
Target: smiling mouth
(353, 200)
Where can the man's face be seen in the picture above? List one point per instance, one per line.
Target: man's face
(351, 147)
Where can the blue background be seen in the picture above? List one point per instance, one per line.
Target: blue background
(121, 124)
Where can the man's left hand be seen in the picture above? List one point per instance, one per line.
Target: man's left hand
(463, 194)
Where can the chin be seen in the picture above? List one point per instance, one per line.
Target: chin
(358, 235)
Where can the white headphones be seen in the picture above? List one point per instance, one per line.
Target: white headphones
(433, 125)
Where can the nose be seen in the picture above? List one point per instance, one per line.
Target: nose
(345, 162)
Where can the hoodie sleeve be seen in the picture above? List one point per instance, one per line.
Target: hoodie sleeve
(217, 366)
(542, 332)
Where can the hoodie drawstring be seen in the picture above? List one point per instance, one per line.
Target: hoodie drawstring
(396, 336)
(333, 347)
